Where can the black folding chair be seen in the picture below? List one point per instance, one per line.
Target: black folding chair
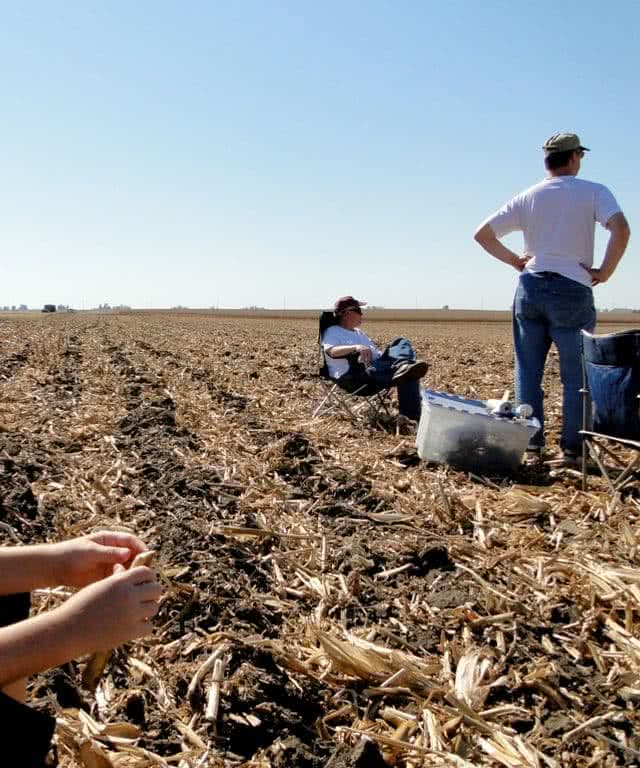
(353, 400)
(611, 405)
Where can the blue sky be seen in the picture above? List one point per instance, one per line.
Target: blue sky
(282, 153)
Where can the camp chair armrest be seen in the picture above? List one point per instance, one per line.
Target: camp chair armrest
(625, 441)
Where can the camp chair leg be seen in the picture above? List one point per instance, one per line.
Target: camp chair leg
(586, 405)
(342, 404)
(611, 455)
(352, 404)
(333, 400)
(628, 469)
(627, 472)
(328, 403)
(345, 405)
(601, 467)
(353, 408)
(319, 408)
(383, 398)
(338, 399)
(377, 404)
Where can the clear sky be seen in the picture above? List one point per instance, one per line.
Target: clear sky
(283, 152)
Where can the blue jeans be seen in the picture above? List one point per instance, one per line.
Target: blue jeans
(378, 375)
(551, 308)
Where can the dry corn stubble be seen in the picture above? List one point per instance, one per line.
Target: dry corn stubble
(452, 621)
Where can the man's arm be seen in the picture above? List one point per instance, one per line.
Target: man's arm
(485, 237)
(344, 350)
(619, 235)
(338, 350)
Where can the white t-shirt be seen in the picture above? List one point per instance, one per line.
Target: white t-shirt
(337, 336)
(557, 217)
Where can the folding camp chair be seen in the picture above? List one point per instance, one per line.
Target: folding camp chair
(611, 405)
(355, 402)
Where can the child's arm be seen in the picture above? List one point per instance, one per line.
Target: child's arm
(74, 563)
(100, 616)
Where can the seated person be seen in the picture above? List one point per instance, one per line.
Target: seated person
(396, 366)
(111, 606)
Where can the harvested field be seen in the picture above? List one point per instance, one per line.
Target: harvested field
(321, 584)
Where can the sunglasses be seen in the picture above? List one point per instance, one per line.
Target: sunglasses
(357, 310)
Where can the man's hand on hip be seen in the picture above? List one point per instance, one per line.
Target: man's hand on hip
(598, 276)
(520, 262)
(486, 238)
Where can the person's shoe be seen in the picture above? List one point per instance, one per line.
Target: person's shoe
(405, 425)
(534, 456)
(407, 371)
(571, 460)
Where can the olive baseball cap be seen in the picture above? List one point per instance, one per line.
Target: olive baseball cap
(562, 142)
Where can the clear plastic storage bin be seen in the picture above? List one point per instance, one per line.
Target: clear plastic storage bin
(462, 433)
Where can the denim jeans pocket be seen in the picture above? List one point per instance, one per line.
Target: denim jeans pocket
(526, 300)
(526, 309)
(572, 309)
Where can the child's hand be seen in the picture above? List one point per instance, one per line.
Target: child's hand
(82, 561)
(111, 611)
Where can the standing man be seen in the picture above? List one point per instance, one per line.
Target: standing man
(554, 297)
